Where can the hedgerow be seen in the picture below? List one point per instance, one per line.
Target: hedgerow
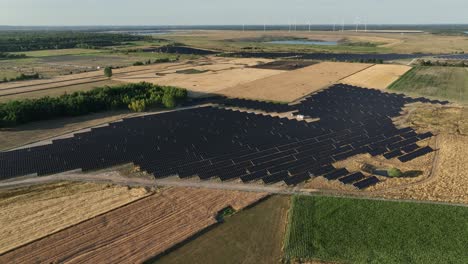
(137, 97)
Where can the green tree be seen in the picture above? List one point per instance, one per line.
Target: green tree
(137, 105)
(168, 100)
(108, 72)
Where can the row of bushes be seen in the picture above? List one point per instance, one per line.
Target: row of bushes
(442, 63)
(159, 60)
(7, 56)
(137, 97)
(22, 77)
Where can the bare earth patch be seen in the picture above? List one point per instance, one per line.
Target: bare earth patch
(33, 212)
(379, 76)
(137, 231)
(292, 85)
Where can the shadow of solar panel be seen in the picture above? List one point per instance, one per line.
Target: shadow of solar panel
(366, 183)
(415, 154)
(336, 174)
(352, 178)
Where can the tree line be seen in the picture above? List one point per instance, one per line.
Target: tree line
(41, 40)
(136, 97)
(22, 77)
(8, 56)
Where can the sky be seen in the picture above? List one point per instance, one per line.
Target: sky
(230, 12)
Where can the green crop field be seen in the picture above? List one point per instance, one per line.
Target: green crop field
(364, 231)
(252, 236)
(439, 82)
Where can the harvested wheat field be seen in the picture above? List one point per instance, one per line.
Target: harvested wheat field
(292, 85)
(137, 231)
(207, 76)
(31, 213)
(379, 76)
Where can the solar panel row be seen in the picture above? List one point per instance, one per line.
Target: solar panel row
(211, 142)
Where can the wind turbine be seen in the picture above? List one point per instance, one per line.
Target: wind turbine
(357, 23)
(309, 25)
(342, 25)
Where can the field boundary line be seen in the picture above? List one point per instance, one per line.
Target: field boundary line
(372, 65)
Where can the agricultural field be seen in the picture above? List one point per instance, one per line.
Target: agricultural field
(53, 90)
(30, 213)
(53, 63)
(207, 76)
(292, 85)
(137, 231)
(364, 231)
(348, 41)
(439, 82)
(379, 76)
(252, 235)
(43, 130)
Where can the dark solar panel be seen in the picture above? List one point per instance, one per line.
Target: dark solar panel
(336, 174)
(367, 182)
(352, 178)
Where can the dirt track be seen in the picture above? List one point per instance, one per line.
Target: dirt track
(135, 232)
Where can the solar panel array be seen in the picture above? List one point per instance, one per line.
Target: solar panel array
(211, 142)
(329, 56)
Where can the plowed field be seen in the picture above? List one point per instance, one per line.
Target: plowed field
(135, 232)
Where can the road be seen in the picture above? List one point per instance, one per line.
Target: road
(114, 177)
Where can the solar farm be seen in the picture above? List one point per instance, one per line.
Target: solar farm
(353, 152)
(212, 142)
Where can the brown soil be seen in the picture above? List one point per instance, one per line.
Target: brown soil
(31, 213)
(292, 85)
(135, 232)
(379, 76)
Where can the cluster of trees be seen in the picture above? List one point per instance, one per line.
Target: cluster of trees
(7, 56)
(442, 63)
(22, 77)
(375, 61)
(136, 97)
(159, 60)
(42, 40)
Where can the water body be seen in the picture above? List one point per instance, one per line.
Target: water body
(304, 42)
